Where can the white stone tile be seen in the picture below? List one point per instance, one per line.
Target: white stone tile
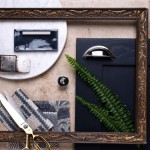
(105, 3)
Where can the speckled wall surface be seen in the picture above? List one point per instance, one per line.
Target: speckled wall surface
(45, 86)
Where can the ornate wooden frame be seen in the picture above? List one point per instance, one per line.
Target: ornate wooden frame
(140, 15)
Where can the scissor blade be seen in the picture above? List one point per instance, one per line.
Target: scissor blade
(13, 113)
(13, 104)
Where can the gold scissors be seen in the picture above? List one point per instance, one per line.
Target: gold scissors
(22, 124)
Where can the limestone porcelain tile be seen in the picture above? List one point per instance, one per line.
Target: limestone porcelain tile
(105, 3)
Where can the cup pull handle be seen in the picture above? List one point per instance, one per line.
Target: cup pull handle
(99, 51)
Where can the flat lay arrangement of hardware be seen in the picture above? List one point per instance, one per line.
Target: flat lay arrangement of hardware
(66, 86)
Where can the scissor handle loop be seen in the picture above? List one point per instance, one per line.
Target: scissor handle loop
(36, 145)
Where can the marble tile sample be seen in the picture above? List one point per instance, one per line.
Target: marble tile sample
(7, 42)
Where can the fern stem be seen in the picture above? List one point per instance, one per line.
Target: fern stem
(111, 101)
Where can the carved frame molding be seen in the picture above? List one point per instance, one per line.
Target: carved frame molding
(140, 15)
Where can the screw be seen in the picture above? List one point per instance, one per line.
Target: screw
(25, 126)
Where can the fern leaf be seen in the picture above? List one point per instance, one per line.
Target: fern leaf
(101, 114)
(110, 101)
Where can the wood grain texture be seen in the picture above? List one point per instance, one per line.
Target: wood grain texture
(140, 16)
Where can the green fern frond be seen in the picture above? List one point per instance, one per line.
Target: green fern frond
(102, 115)
(111, 102)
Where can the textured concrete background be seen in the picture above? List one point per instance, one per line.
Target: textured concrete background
(45, 87)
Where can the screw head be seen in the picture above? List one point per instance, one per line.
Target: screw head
(25, 126)
(62, 81)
